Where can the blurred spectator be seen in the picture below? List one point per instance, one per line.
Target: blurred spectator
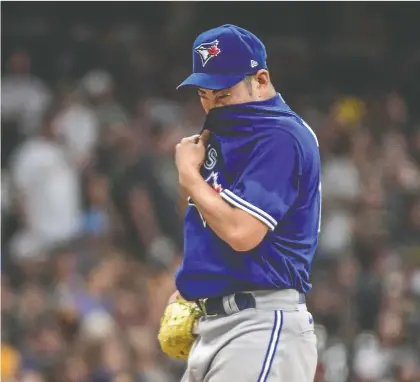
(98, 210)
(24, 97)
(47, 192)
(77, 126)
(99, 87)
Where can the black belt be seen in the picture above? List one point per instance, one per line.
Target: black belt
(215, 306)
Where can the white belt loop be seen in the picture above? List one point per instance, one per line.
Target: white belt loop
(233, 305)
(226, 306)
(229, 304)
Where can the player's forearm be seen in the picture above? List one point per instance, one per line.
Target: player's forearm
(218, 214)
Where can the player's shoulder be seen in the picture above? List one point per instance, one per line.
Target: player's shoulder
(289, 133)
(291, 127)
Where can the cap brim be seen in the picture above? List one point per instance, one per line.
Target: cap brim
(212, 81)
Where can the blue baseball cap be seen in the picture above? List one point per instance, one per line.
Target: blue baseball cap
(224, 56)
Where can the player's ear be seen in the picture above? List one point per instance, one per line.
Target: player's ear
(262, 77)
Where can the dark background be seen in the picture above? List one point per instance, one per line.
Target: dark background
(359, 47)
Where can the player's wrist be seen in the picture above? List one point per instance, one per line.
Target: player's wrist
(189, 177)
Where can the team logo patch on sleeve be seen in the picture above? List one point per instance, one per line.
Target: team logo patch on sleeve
(207, 51)
(212, 180)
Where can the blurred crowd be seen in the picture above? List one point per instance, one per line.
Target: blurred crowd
(92, 217)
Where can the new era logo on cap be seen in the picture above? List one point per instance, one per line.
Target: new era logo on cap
(207, 51)
(254, 64)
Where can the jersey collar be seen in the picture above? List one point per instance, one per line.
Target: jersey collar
(231, 119)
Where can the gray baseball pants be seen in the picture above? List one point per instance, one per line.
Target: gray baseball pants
(275, 341)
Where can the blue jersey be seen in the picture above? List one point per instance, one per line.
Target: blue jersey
(262, 158)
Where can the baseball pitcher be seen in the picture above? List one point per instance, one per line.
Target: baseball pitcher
(251, 227)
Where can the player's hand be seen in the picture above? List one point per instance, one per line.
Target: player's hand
(190, 154)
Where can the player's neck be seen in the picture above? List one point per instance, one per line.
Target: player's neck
(268, 94)
(271, 92)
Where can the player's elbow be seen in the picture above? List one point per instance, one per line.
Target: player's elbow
(246, 232)
(243, 247)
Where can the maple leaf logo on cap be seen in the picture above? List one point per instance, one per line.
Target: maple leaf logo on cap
(214, 50)
(207, 51)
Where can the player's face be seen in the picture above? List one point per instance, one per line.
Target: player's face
(244, 91)
(257, 88)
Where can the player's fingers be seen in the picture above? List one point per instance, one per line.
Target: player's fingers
(204, 137)
(193, 138)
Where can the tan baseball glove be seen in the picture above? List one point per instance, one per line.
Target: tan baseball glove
(176, 335)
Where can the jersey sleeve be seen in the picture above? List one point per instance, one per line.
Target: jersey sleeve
(269, 183)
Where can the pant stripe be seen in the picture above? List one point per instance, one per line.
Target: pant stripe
(272, 346)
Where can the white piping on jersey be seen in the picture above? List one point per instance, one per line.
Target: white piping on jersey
(230, 197)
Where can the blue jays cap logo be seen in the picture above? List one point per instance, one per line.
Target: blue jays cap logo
(207, 51)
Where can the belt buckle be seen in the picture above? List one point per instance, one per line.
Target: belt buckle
(202, 305)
